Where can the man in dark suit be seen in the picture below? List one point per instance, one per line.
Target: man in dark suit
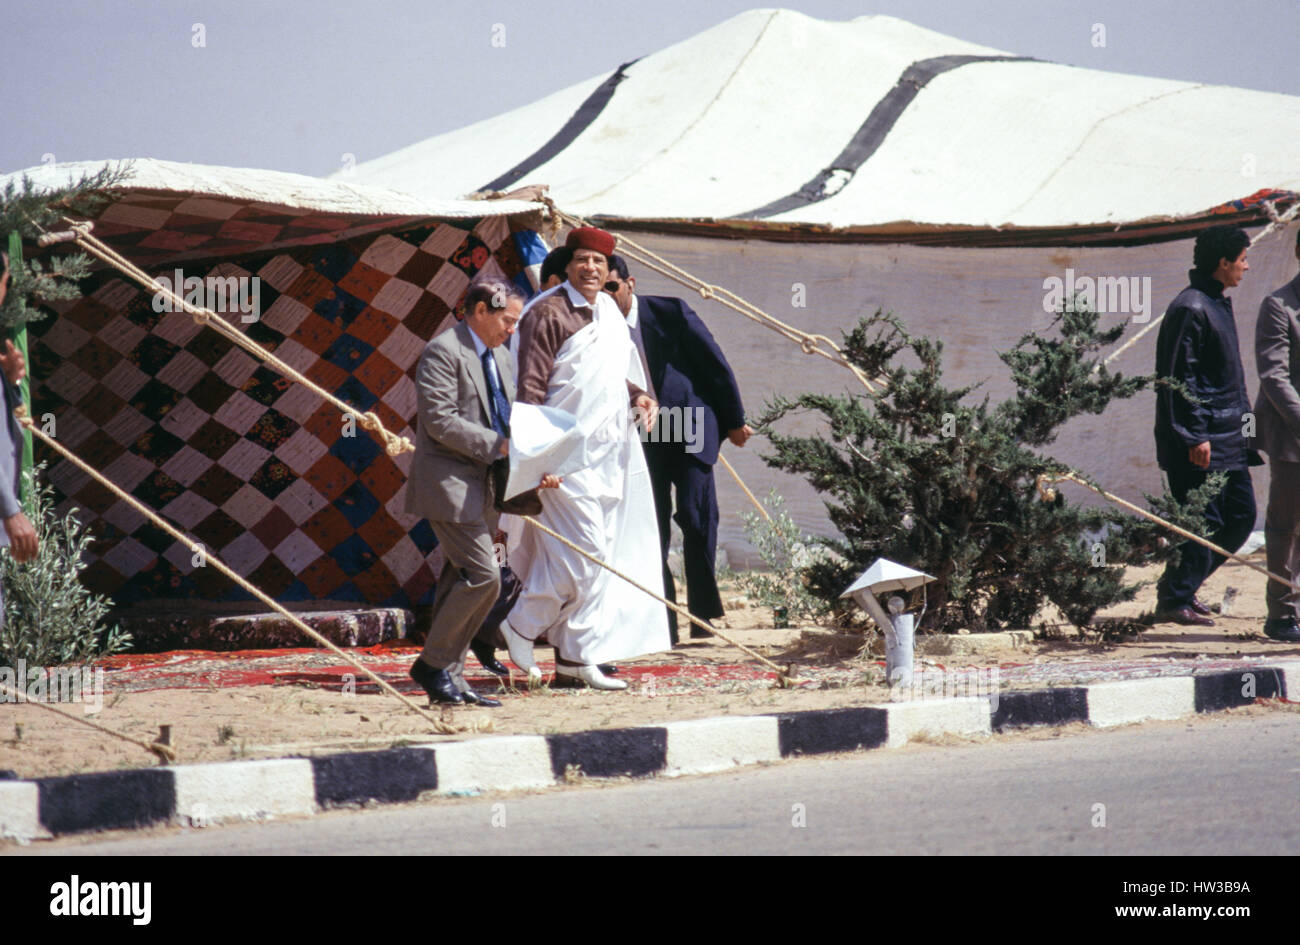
(1198, 346)
(700, 402)
(1277, 415)
(18, 535)
(464, 386)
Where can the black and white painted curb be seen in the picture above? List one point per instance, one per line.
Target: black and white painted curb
(202, 794)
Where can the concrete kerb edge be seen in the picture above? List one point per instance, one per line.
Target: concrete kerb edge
(213, 792)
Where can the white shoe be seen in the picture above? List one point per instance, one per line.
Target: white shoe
(589, 676)
(521, 652)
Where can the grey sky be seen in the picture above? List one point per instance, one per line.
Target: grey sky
(294, 85)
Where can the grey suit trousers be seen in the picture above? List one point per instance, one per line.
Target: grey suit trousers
(1282, 537)
(467, 588)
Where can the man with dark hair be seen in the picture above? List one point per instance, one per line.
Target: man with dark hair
(1277, 417)
(463, 393)
(576, 356)
(1198, 347)
(695, 386)
(551, 276)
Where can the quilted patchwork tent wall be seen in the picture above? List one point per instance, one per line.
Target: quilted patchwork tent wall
(257, 469)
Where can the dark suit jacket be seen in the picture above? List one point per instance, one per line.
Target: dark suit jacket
(1198, 345)
(455, 443)
(688, 369)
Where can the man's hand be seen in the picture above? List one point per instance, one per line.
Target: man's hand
(1200, 455)
(505, 448)
(22, 537)
(647, 410)
(12, 363)
(740, 435)
(550, 482)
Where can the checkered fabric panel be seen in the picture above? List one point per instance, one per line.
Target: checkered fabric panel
(258, 470)
(151, 229)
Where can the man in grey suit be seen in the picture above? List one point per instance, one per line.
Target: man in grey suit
(18, 534)
(1277, 426)
(464, 386)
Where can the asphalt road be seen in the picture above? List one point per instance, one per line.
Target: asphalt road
(1213, 785)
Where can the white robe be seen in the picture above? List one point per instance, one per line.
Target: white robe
(606, 507)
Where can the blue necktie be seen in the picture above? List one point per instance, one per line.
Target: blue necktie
(498, 407)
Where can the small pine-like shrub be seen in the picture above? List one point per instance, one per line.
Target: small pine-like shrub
(931, 477)
(788, 554)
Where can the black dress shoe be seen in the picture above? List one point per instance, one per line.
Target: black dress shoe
(1201, 607)
(437, 683)
(609, 669)
(473, 698)
(1285, 630)
(487, 657)
(1185, 615)
(698, 632)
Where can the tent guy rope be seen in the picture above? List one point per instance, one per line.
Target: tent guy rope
(810, 343)
(393, 444)
(164, 752)
(1277, 221)
(783, 677)
(1047, 494)
(442, 728)
(80, 234)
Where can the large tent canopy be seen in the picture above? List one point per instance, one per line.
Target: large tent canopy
(871, 163)
(775, 121)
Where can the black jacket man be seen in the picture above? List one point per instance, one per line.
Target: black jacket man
(699, 404)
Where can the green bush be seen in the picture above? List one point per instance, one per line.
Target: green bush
(50, 618)
(788, 554)
(931, 477)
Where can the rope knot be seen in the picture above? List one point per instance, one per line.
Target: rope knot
(809, 346)
(394, 445)
(706, 292)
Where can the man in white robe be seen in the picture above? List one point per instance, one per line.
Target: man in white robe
(576, 355)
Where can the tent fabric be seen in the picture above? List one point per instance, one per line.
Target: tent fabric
(352, 285)
(873, 132)
(170, 212)
(976, 301)
(749, 112)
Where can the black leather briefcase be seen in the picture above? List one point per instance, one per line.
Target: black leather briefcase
(526, 503)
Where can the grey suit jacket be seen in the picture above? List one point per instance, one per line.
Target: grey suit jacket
(455, 443)
(1277, 357)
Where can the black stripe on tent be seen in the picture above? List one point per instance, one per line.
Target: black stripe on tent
(873, 131)
(610, 753)
(106, 801)
(396, 774)
(575, 126)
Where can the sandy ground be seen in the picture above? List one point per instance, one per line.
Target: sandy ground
(700, 679)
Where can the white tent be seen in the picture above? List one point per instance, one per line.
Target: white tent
(874, 163)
